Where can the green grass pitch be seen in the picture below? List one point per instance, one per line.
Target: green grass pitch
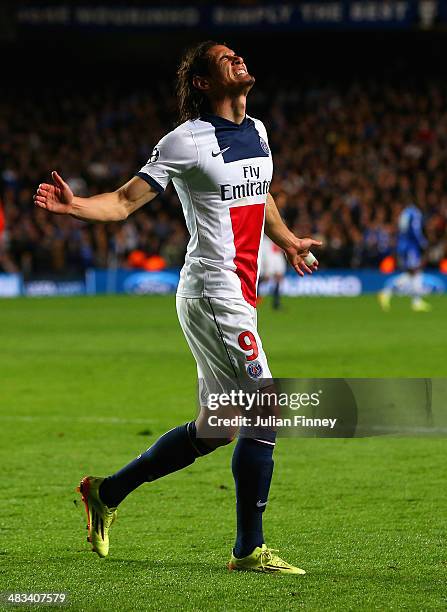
(88, 383)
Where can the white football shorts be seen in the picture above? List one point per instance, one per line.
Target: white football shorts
(273, 263)
(222, 336)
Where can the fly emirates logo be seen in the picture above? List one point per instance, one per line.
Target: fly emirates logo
(251, 186)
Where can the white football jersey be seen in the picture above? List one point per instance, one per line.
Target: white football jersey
(222, 173)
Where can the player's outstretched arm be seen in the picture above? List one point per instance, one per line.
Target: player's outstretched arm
(117, 205)
(296, 249)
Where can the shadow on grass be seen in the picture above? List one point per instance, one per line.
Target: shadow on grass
(162, 564)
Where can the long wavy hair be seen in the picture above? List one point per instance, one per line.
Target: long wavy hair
(192, 102)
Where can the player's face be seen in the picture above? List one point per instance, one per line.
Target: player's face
(228, 72)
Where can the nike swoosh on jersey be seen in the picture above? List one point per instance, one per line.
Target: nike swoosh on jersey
(261, 504)
(219, 152)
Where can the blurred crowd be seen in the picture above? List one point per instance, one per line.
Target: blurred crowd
(346, 159)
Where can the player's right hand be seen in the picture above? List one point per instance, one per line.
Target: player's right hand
(297, 253)
(57, 198)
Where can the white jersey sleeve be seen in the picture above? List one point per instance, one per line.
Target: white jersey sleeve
(174, 156)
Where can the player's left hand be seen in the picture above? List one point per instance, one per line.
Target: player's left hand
(297, 253)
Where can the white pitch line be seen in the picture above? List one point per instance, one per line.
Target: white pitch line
(86, 419)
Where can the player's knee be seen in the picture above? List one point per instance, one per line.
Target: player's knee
(217, 442)
(228, 439)
(215, 436)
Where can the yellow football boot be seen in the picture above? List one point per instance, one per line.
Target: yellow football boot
(384, 300)
(99, 516)
(263, 559)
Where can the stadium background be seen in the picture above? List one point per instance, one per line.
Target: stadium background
(356, 114)
(356, 120)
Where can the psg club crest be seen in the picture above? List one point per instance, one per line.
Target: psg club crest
(254, 369)
(264, 145)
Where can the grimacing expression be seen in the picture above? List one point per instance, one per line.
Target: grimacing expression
(228, 72)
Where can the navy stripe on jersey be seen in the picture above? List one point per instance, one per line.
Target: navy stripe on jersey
(151, 181)
(241, 141)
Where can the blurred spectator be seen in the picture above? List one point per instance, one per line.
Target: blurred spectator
(346, 161)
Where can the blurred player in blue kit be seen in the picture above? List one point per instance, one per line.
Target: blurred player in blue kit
(411, 244)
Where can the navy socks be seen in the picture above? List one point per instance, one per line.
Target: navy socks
(276, 296)
(252, 467)
(252, 470)
(175, 450)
